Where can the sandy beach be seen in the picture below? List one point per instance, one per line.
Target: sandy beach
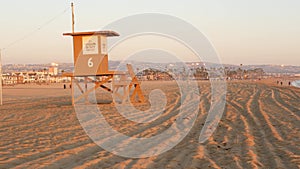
(260, 128)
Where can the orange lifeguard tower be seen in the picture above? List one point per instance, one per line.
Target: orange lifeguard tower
(90, 52)
(91, 59)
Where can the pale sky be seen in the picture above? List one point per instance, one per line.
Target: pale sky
(248, 32)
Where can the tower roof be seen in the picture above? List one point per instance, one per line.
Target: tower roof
(105, 33)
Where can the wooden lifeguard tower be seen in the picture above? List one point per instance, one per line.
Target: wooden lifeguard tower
(91, 60)
(90, 52)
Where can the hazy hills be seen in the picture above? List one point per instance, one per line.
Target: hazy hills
(68, 67)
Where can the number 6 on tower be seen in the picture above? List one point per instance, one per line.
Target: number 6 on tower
(90, 63)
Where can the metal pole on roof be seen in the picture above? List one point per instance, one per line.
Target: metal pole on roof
(73, 20)
(1, 98)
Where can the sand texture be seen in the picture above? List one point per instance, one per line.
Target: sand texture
(260, 128)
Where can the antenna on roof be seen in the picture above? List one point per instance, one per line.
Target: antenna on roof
(73, 21)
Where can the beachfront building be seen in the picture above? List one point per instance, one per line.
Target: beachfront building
(31, 77)
(49, 75)
(53, 69)
(10, 80)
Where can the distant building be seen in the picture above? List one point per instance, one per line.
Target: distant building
(8, 79)
(49, 75)
(53, 69)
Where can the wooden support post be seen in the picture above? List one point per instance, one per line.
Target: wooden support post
(137, 86)
(80, 88)
(72, 90)
(73, 17)
(86, 98)
(122, 83)
(97, 85)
